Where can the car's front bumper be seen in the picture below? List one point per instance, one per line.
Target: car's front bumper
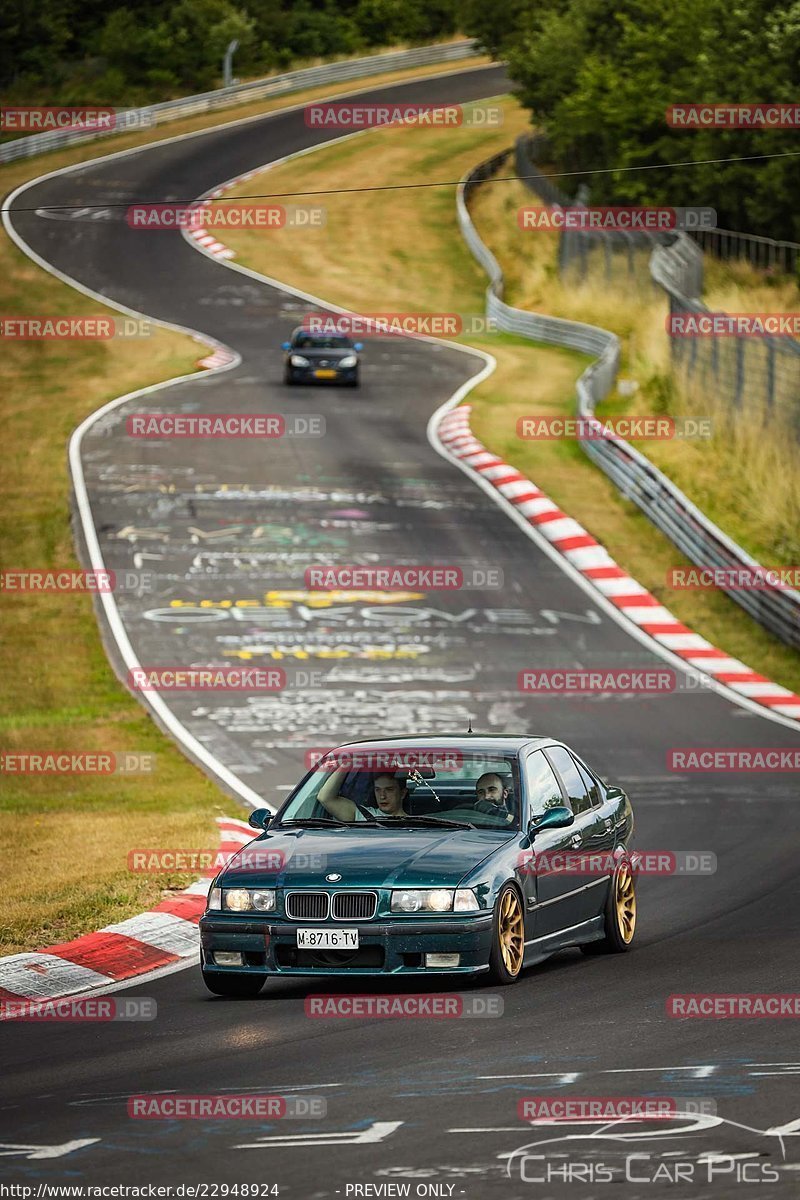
(329, 375)
(396, 947)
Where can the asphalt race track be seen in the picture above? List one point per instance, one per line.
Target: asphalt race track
(408, 1102)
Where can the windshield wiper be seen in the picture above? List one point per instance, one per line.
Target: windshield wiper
(313, 822)
(420, 820)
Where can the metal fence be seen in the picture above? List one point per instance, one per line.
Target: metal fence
(622, 256)
(763, 253)
(135, 119)
(728, 373)
(703, 542)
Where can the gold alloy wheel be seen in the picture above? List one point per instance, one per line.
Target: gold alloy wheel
(511, 932)
(625, 900)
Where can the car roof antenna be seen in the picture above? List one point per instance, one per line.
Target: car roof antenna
(470, 725)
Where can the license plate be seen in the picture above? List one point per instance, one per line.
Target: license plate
(327, 939)
(324, 374)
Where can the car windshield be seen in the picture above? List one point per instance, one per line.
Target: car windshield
(418, 789)
(315, 341)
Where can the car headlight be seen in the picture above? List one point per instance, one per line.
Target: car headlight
(437, 900)
(214, 900)
(247, 899)
(349, 360)
(297, 360)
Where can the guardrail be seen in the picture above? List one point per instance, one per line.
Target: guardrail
(132, 119)
(762, 373)
(763, 253)
(670, 510)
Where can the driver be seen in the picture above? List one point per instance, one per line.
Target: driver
(491, 796)
(390, 795)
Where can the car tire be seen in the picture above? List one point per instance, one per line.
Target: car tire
(288, 378)
(223, 984)
(619, 914)
(508, 937)
(353, 382)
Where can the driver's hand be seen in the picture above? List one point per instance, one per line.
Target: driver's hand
(493, 810)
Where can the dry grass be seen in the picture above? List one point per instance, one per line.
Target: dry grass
(760, 508)
(408, 271)
(386, 268)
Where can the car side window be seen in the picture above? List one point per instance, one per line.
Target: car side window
(542, 785)
(567, 768)
(592, 786)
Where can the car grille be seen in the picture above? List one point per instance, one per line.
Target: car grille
(341, 906)
(354, 906)
(307, 906)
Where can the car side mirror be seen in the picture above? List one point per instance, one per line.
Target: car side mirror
(259, 818)
(552, 818)
(358, 346)
(286, 345)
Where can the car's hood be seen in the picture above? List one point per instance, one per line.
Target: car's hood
(317, 353)
(367, 857)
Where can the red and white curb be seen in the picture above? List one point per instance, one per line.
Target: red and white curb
(159, 938)
(206, 242)
(219, 358)
(201, 236)
(599, 569)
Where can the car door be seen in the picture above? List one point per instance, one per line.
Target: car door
(607, 828)
(591, 842)
(550, 899)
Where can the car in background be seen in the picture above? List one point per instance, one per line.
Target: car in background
(321, 358)
(427, 856)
